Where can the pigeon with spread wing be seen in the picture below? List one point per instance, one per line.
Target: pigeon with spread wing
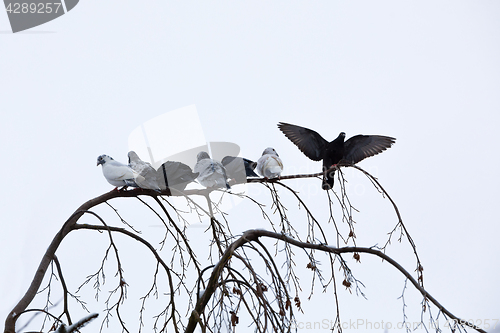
(338, 151)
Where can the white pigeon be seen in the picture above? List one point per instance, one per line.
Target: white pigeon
(149, 176)
(116, 173)
(269, 164)
(211, 173)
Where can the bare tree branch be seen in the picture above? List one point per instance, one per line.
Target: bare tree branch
(212, 303)
(254, 235)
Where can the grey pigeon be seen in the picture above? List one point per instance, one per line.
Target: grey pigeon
(149, 177)
(269, 164)
(211, 173)
(351, 151)
(116, 173)
(175, 175)
(239, 168)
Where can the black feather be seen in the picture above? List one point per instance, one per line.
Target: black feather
(351, 151)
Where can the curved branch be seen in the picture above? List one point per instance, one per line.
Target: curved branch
(253, 235)
(250, 235)
(65, 289)
(148, 245)
(10, 321)
(419, 269)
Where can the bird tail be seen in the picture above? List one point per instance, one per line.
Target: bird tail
(131, 183)
(251, 173)
(328, 180)
(275, 170)
(250, 166)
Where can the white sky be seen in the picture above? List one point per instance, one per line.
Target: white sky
(427, 73)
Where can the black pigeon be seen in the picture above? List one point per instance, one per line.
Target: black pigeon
(239, 168)
(351, 151)
(175, 175)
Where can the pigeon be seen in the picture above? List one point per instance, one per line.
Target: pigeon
(116, 173)
(351, 151)
(239, 168)
(149, 177)
(211, 173)
(175, 175)
(269, 164)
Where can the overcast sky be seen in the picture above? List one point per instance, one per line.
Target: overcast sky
(426, 73)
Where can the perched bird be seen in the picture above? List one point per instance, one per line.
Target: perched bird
(116, 173)
(175, 175)
(211, 173)
(269, 164)
(239, 168)
(149, 177)
(351, 151)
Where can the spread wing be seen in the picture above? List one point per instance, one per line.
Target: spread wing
(360, 147)
(309, 142)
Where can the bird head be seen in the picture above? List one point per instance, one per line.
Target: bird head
(270, 151)
(227, 159)
(132, 156)
(202, 155)
(103, 159)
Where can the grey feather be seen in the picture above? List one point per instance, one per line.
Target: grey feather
(269, 164)
(149, 178)
(211, 173)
